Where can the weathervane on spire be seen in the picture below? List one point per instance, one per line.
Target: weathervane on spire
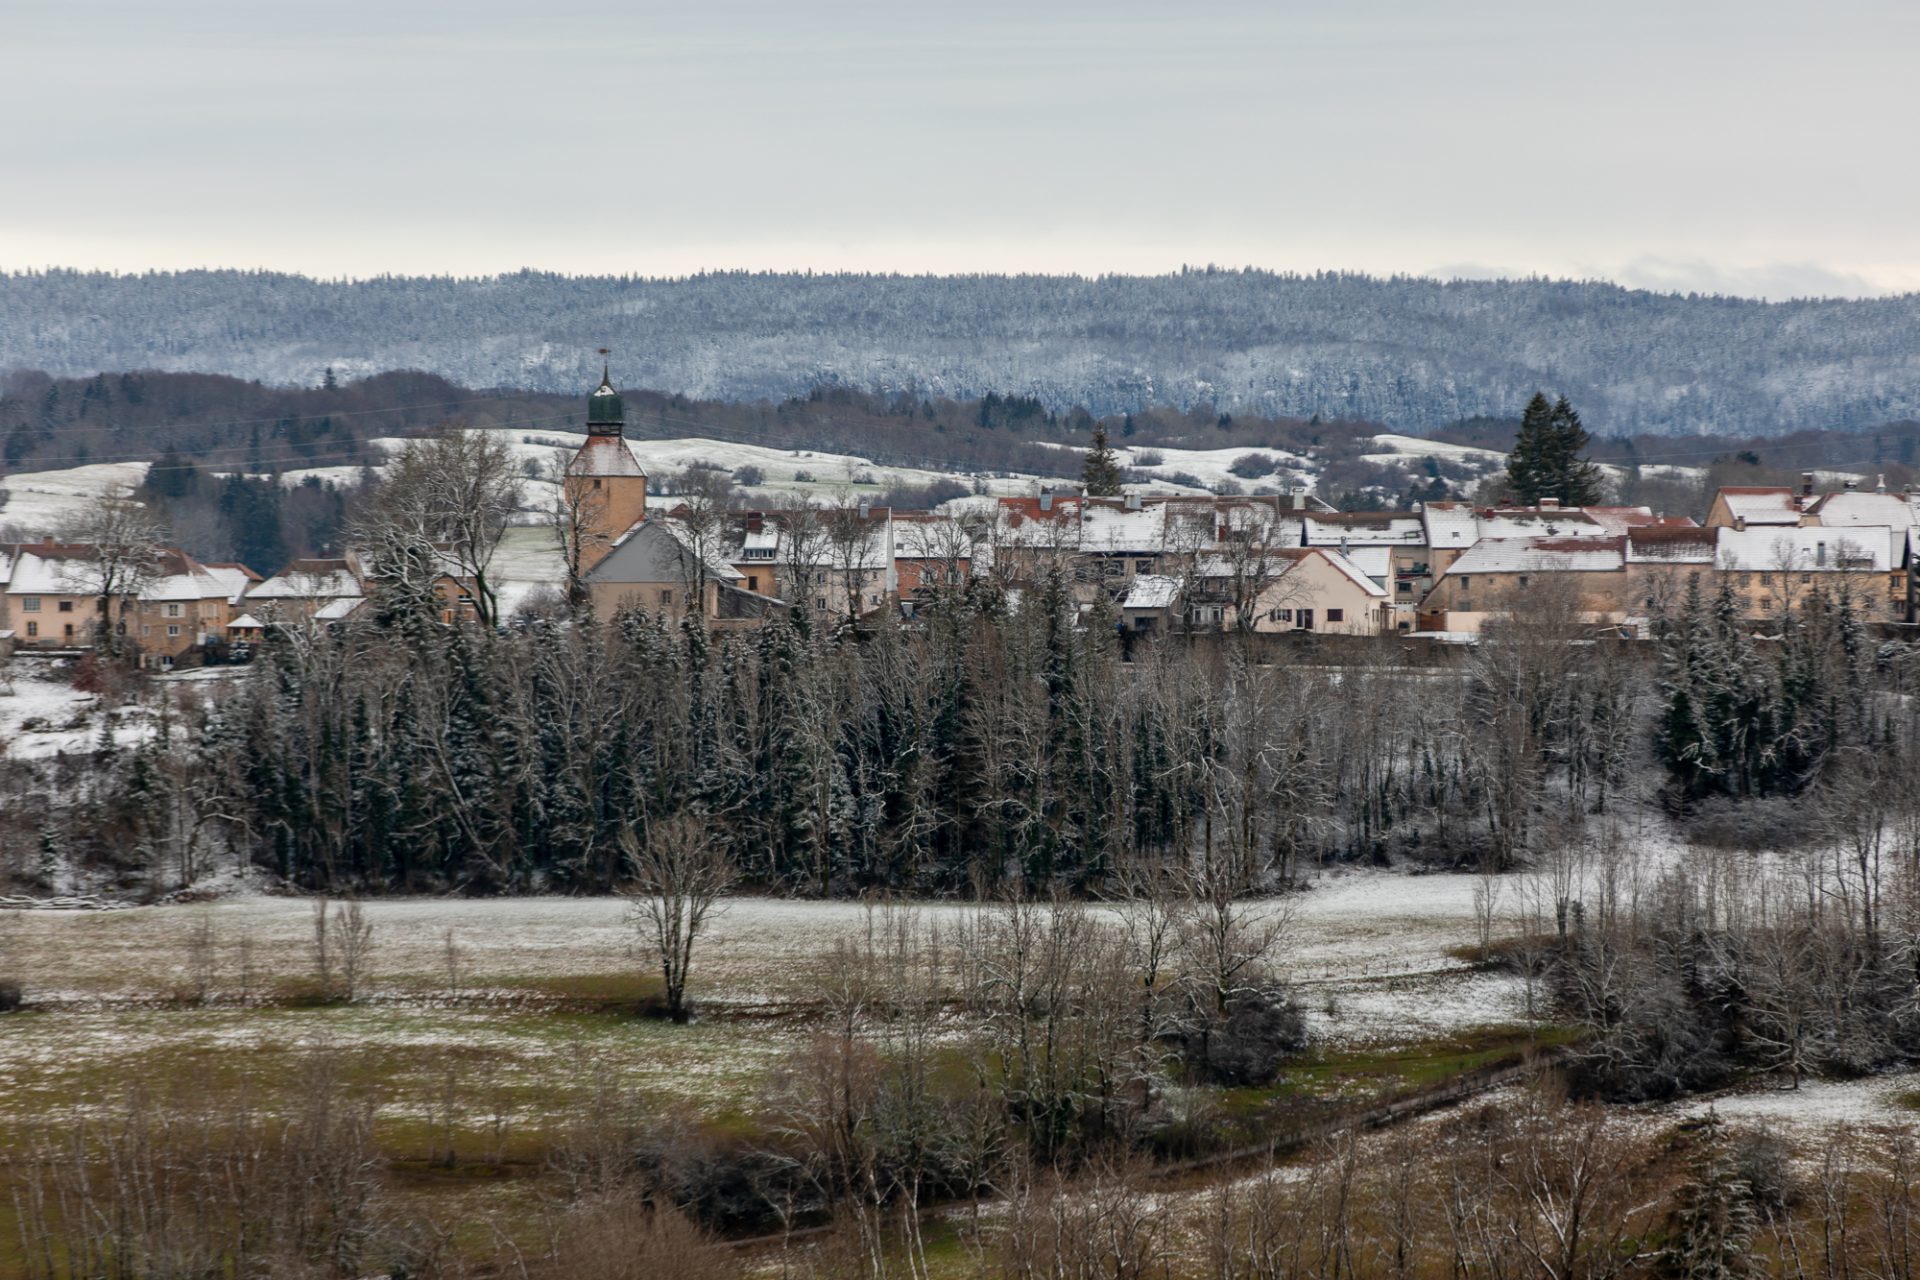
(606, 368)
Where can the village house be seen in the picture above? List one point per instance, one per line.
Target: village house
(1630, 579)
(163, 603)
(324, 590)
(839, 562)
(657, 566)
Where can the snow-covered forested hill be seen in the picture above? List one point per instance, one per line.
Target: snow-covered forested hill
(1411, 353)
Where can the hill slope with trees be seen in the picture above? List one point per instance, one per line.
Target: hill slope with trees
(1412, 353)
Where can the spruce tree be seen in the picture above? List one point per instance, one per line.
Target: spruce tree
(1529, 464)
(1548, 456)
(1715, 1224)
(1576, 482)
(1101, 477)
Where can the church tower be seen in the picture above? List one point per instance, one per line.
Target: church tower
(605, 487)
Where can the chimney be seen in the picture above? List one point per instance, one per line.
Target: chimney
(1133, 502)
(1820, 554)
(755, 521)
(866, 507)
(1740, 524)
(1806, 484)
(1850, 485)
(1549, 504)
(1880, 484)
(1046, 500)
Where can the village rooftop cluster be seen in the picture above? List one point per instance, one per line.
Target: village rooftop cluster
(1140, 563)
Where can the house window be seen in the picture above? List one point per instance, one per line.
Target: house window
(173, 633)
(666, 595)
(145, 632)
(1745, 578)
(33, 629)
(596, 482)
(1340, 615)
(1766, 605)
(1404, 588)
(30, 604)
(1283, 615)
(820, 602)
(1805, 578)
(1466, 584)
(1143, 566)
(753, 582)
(1523, 579)
(173, 611)
(69, 631)
(1766, 579)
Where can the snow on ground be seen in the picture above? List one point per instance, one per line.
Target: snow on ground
(787, 474)
(1373, 947)
(1816, 1104)
(1398, 449)
(45, 716)
(42, 503)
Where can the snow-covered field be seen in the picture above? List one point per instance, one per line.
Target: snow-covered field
(42, 503)
(1375, 955)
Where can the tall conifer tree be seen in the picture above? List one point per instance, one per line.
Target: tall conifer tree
(1101, 477)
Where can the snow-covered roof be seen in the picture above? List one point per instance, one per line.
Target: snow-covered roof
(1151, 591)
(1669, 546)
(1529, 522)
(1450, 524)
(1363, 528)
(1762, 504)
(1120, 531)
(182, 578)
(336, 610)
(1375, 562)
(53, 572)
(308, 580)
(1459, 524)
(247, 622)
(605, 456)
(1350, 570)
(1852, 509)
(1807, 548)
(1541, 555)
(233, 579)
(1621, 519)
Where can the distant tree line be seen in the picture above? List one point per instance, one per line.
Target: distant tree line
(1413, 353)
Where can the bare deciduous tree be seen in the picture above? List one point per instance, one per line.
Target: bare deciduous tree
(441, 509)
(679, 876)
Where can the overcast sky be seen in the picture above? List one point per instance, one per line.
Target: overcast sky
(1763, 146)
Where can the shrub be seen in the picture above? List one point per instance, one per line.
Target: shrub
(9, 996)
(1247, 1044)
(749, 475)
(1149, 458)
(1251, 466)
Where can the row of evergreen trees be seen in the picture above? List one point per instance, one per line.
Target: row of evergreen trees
(993, 744)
